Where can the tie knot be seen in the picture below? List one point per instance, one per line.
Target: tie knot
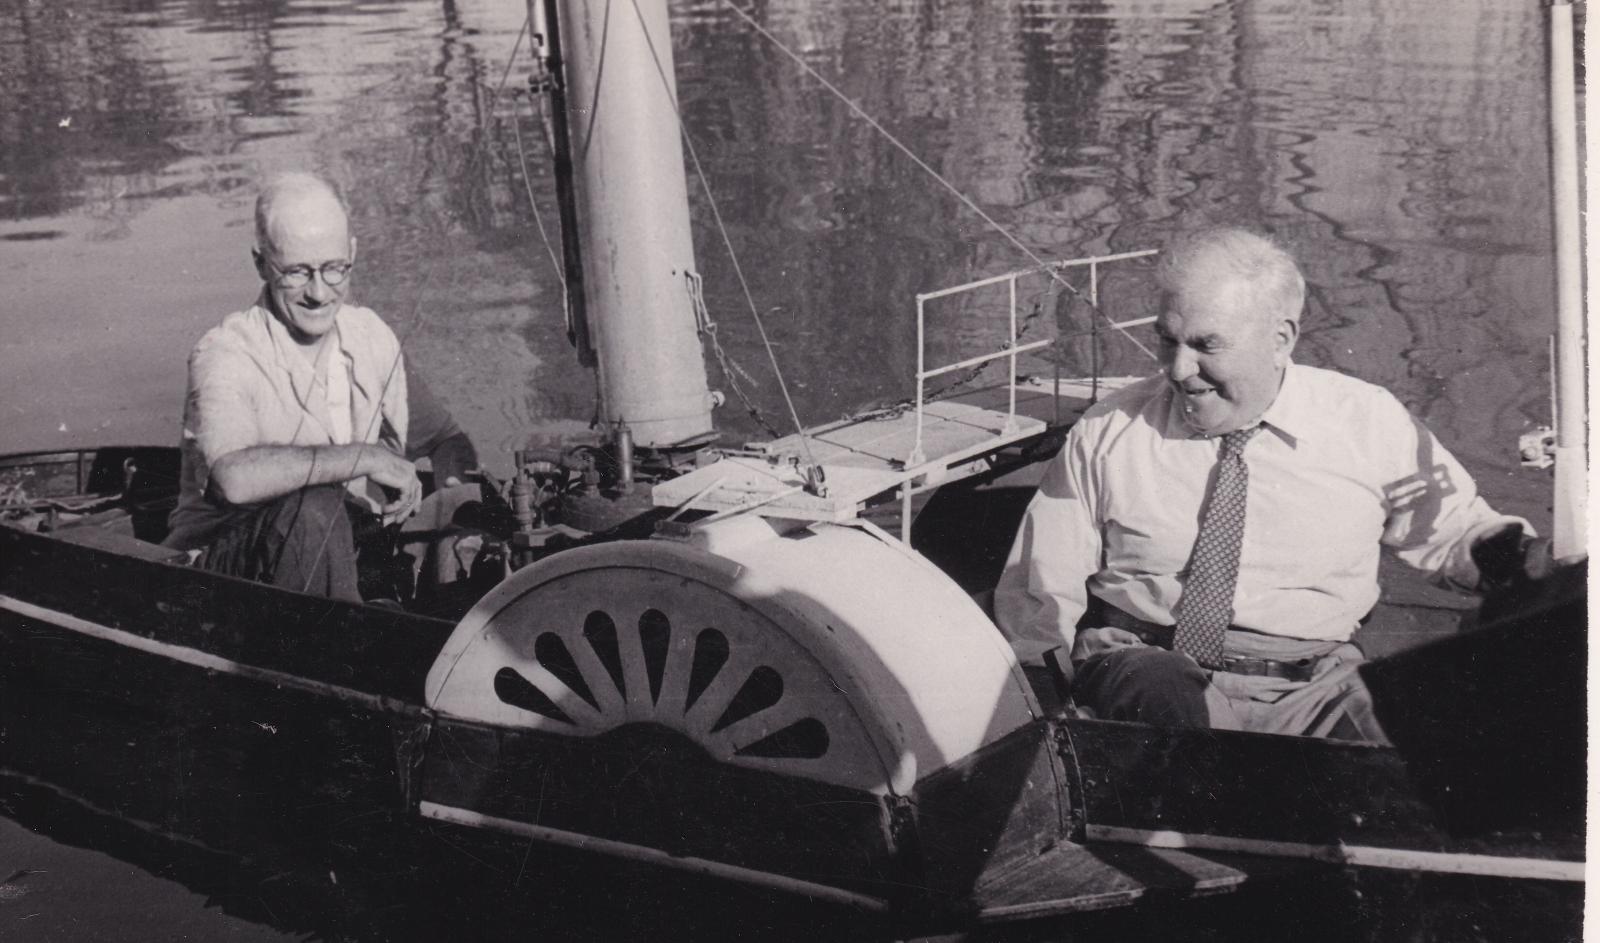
(1234, 442)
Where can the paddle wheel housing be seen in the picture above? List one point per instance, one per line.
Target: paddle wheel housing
(777, 699)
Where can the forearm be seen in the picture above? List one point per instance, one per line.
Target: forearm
(266, 472)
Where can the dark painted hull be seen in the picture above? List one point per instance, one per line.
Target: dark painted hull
(287, 735)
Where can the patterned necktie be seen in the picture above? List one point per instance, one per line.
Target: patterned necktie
(1206, 607)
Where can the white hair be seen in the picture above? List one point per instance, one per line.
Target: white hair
(1209, 257)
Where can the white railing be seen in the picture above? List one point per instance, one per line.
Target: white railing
(1010, 351)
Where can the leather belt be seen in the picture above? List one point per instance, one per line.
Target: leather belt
(1300, 669)
(1101, 612)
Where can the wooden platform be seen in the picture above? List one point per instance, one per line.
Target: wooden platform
(862, 458)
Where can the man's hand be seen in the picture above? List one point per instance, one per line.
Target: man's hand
(398, 479)
(1508, 557)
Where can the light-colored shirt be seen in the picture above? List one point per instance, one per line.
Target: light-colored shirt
(1339, 470)
(249, 385)
(336, 376)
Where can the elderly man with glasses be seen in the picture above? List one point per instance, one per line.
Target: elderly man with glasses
(300, 428)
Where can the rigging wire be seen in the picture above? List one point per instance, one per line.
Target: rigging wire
(538, 219)
(956, 192)
(730, 367)
(418, 315)
(727, 241)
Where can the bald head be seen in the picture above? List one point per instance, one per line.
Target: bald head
(304, 253)
(1209, 261)
(293, 203)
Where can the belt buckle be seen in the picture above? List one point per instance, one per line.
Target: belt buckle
(1245, 665)
(1299, 670)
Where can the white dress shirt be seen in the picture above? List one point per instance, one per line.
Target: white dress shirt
(249, 385)
(1340, 470)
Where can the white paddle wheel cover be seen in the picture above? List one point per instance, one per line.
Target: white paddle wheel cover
(828, 654)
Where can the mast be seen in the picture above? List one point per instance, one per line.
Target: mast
(1571, 453)
(626, 214)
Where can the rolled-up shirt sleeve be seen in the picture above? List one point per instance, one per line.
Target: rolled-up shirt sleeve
(1434, 511)
(1043, 590)
(219, 415)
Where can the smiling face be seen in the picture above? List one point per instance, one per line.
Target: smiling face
(1222, 353)
(305, 230)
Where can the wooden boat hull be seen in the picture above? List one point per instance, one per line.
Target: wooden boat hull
(267, 726)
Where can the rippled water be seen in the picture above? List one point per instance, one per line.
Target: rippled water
(1397, 146)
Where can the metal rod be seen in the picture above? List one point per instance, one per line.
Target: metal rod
(760, 502)
(982, 358)
(1134, 322)
(1571, 434)
(1055, 392)
(915, 458)
(1011, 344)
(687, 505)
(1066, 263)
(1102, 259)
(905, 512)
(1094, 342)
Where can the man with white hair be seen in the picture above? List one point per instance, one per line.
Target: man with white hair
(1207, 541)
(298, 412)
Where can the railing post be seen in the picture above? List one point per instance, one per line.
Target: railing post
(1011, 343)
(905, 513)
(1094, 334)
(916, 457)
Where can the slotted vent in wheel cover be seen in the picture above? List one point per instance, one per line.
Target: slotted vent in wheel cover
(596, 649)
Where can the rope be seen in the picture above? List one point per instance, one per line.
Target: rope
(730, 368)
(683, 129)
(965, 200)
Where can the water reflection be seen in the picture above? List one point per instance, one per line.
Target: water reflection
(1393, 148)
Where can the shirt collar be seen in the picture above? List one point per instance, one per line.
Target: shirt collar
(302, 373)
(1290, 415)
(1292, 412)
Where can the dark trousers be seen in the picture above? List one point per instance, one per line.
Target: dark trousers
(303, 541)
(1147, 684)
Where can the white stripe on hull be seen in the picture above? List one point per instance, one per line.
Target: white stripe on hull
(1364, 856)
(206, 660)
(654, 856)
